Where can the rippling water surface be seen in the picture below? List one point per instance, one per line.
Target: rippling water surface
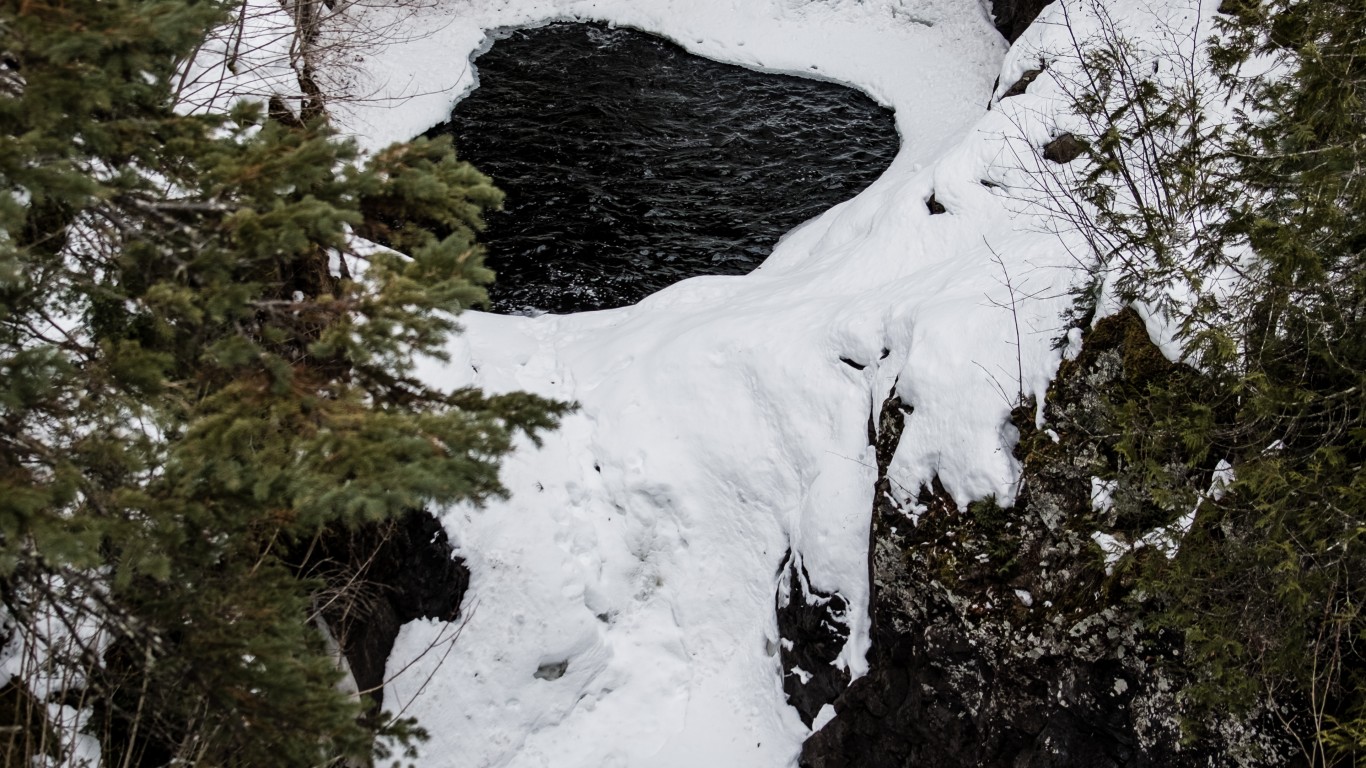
(630, 164)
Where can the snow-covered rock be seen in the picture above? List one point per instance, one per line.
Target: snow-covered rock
(718, 429)
(621, 609)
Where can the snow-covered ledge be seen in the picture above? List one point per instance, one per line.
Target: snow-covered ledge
(622, 600)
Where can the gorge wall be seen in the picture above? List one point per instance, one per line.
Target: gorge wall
(1003, 637)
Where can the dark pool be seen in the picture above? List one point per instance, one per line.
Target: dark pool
(630, 164)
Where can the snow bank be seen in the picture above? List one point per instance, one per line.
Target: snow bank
(639, 552)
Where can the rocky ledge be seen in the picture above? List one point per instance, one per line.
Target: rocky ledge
(1002, 637)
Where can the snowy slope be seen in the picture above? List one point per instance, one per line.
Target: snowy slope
(621, 610)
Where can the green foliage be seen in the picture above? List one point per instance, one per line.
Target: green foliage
(1154, 423)
(994, 524)
(203, 362)
(1267, 587)
(1155, 178)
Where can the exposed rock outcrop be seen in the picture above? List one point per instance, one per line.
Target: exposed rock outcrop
(1064, 149)
(1001, 637)
(1012, 17)
(382, 576)
(1021, 86)
(812, 630)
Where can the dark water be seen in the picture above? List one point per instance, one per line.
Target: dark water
(630, 164)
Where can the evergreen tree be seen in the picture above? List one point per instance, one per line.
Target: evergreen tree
(207, 333)
(1267, 586)
(1300, 375)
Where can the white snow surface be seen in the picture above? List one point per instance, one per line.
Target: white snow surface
(717, 426)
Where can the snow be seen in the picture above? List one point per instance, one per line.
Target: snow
(717, 429)
(62, 624)
(1113, 548)
(823, 718)
(1102, 494)
(247, 58)
(1221, 480)
(1165, 538)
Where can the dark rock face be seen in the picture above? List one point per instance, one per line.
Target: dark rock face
(1063, 149)
(999, 636)
(384, 575)
(1012, 17)
(1022, 85)
(812, 629)
(23, 728)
